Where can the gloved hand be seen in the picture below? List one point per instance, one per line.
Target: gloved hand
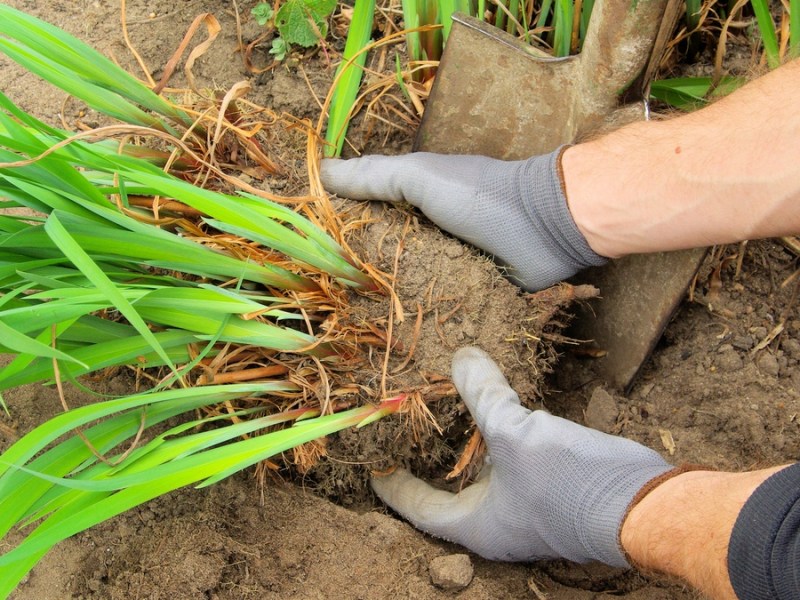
(515, 211)
(553, 488)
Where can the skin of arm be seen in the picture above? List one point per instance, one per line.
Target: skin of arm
(722, 174)
(683, 527)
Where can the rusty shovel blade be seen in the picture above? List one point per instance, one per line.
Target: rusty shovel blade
(495, 96)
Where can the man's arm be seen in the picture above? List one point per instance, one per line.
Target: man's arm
(722, 174)
(683, 527)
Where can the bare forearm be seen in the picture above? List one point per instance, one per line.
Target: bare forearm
(683, 527)
(719, 175)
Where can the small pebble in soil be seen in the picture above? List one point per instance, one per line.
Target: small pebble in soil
(792, 347)
(601, 412)
(452, 572)
(644, 392)
(743, 342)
(454, 250)
(767, 363)
(729, 361)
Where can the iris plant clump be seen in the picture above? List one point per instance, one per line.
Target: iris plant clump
(233, 306)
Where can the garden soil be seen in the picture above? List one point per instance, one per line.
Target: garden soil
(721, 388)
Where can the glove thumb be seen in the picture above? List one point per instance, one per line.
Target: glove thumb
(438, 512)
(493, 404)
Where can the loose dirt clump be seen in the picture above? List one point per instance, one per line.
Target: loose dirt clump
(451, 297)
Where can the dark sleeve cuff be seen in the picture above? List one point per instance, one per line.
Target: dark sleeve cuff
(764, 549)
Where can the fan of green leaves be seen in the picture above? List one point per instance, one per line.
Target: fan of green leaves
(68, 488)
(89, 256)
(78, 69)
(90, 281)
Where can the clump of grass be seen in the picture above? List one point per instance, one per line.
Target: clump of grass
(349, 75)
(107, 261)
(559, 26)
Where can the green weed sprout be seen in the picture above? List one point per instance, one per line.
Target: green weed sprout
(348, 76)
(262, 13)
(299, 22)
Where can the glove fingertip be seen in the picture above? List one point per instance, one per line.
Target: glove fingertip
(330, 172)
(485, 390)
(471, 361)
(383, 484)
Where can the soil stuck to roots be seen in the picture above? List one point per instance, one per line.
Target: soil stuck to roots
(451, 297)
(721, 389)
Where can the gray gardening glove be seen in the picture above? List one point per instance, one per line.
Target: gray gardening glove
(553, 488)
(515, 211)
